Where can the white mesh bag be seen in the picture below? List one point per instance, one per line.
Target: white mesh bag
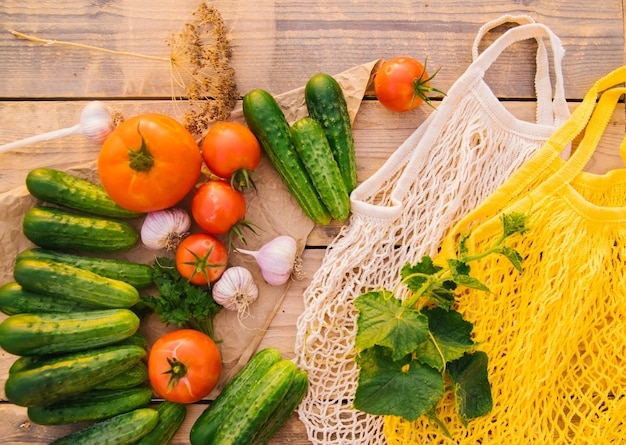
(468, 147)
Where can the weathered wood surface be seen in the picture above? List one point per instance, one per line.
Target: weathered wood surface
(277, 46)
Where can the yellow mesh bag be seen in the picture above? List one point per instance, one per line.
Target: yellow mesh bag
(556, 334)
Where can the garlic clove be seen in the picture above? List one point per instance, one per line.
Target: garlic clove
(235, 290)
(276, 259)
(165, 229)
(96, 123)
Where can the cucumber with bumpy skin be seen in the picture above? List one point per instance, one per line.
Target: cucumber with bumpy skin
(123, 429)
(54, 228)
(267, 121)
(54, 333)
(326, 104)
(91, 405)
(171, 417)
(312, 147)
(64, 189)
(135, 376)
(14, 299)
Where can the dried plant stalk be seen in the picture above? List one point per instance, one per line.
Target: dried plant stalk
(199, 64)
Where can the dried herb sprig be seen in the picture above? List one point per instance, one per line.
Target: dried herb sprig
(199, 64)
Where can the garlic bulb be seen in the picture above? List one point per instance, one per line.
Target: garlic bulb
(165, 229)
(235, 290)
(96, 124)
(277, 259)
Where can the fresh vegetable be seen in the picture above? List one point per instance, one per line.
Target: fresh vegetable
(267, 121)
(86, 287)
(420, 341)
(277, 259)
(123, 429)
(171, 417)
(137, 275)
(201, 258)
(135, 376)
(54, 333)
(14, 299)
(44, 381)
(95, 124)
(326, 104)
(232, 152)
(90, 406)
(236, 290)
(179, 302)
(312, 147)
(54, 228)
(149, 162)
(64, 189)
(184, 365)
(218, 209)
(232, 395)
(244, 420)
(165, 229)
(284, 410)
(402, 84)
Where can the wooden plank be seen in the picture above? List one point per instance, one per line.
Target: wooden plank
(278, 45)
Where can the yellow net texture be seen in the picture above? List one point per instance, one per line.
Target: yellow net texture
(556, 334)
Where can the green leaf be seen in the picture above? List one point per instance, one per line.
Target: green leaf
(458, 267)
(414, 276)
(471, 282)
(512, 255)
(451, 337)
(472, 390)
(383, 321)
(403, 388)
(513, 223)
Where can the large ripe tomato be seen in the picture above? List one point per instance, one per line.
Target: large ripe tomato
(231, 151)
(216, 206)
(149, 162)
(184, 365)
(402, 84)
(201, 258)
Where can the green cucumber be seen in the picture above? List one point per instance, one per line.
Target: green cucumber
(267, 121)
(312, 147)
(136, 274)
(326, 104)
(45, 381)
(136, 339)
(91, 405)
(64, 189)
(135, 376)
(205, 427)
(54, 228)
(123, 429)
(285, 409)
(14, 299)
(54, 333)
(56, 278)
(242, 423)
(171, 417)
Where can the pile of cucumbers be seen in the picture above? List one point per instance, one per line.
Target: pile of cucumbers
(314, 156)
(80, 355)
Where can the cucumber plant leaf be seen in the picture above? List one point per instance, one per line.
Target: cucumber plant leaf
(405, 387)
(384, 321)
(472, 390)
(451, 337)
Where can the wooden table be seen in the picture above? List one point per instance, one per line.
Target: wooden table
(277, 46)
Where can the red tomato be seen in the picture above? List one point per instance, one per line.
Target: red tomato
(149, 162)
(231, 151)
(201, 258)
(184, 365)
(402, 84)
(217, 207)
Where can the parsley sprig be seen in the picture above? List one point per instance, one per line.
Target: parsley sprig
(179, 302)
(411, 351)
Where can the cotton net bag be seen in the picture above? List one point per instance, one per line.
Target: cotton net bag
(555, 334)
(455, 159)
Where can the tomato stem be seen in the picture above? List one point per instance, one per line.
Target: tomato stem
(201, 264)
(421, 90)
(141, 160)
(177, 371)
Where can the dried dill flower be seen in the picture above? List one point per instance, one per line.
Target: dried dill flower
(199, 65)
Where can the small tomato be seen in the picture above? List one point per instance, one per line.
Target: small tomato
(231, 151)
(184, 365)
(201, 258)
(149, 162)
(402, 84)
